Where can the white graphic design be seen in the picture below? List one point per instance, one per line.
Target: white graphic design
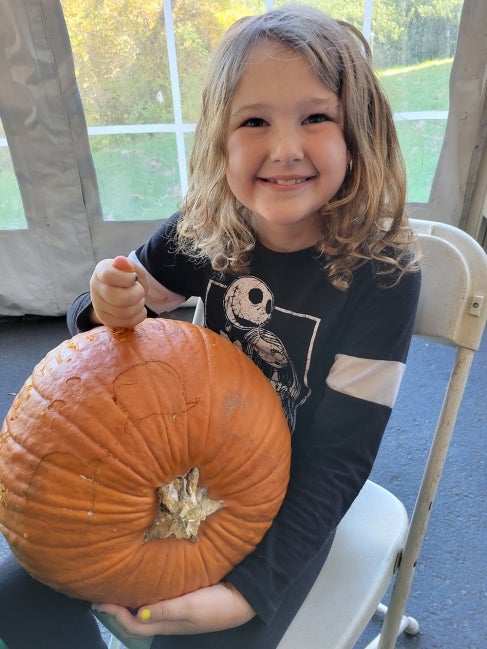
(248, 303)
(249, 306)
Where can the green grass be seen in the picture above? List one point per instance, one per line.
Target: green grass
(138, 177)
(421, 145)
(138, 174)
(420, 87)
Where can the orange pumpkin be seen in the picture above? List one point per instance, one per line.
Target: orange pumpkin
(138, 465)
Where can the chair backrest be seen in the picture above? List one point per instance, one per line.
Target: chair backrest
(453, 264)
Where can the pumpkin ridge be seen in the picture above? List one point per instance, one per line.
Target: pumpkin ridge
(100, 384)
(220, 537)
(238, 469)
(206, 566)
(111, 572)
(164, 416)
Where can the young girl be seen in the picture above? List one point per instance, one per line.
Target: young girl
(293, 233)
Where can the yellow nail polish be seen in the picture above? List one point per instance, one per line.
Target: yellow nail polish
(145, 615)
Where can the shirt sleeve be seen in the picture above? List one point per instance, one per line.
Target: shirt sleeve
(172, 278)
(78, 317)
(333, 457)
(169, 269)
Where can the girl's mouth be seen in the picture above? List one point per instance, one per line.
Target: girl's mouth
(286, 182)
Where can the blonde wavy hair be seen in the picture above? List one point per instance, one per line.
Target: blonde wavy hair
(366, 219)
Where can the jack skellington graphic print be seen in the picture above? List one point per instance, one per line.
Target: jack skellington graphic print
(252, 321)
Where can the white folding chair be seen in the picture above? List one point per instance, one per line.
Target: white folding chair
(375, 544)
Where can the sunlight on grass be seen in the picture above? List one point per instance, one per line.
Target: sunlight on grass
(416, 88)
(417, 66)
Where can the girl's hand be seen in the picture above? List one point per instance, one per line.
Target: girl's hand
(118, 288)
(206, 610)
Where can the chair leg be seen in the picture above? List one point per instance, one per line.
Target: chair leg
(412, 625)
(408, 625)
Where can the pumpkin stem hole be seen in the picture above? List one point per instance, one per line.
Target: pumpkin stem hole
(183, 505)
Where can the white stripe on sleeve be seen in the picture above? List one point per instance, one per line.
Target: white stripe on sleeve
(158, 297)
(365, 378)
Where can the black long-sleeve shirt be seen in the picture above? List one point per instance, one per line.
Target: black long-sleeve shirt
(336, 359)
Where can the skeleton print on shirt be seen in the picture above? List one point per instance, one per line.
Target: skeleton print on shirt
(253, 322)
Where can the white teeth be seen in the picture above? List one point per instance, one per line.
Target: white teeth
(294, 181)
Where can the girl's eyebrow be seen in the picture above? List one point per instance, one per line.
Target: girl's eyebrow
(333, 103)
(249, 108)
(325, 104)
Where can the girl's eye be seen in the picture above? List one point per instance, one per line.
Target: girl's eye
(316, 118)
(254, 121)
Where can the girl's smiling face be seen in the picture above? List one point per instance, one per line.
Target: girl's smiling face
(286, 152)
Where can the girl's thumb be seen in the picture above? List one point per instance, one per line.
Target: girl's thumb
(122, 263)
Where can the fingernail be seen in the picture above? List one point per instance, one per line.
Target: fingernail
(145, 615)
(136, 278)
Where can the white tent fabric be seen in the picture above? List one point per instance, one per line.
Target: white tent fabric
(43, 267)
(44, 124)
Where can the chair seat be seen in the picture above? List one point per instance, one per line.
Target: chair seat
(355, 576)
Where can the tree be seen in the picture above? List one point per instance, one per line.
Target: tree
(122, 61)
(120, 58)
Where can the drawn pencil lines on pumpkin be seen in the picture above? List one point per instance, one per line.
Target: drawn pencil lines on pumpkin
(161, 397)
(99, 453)
(65, 466)
(163, 376)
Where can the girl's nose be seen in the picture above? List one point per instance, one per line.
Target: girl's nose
(286, 147)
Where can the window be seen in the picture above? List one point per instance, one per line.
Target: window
(141, 66)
